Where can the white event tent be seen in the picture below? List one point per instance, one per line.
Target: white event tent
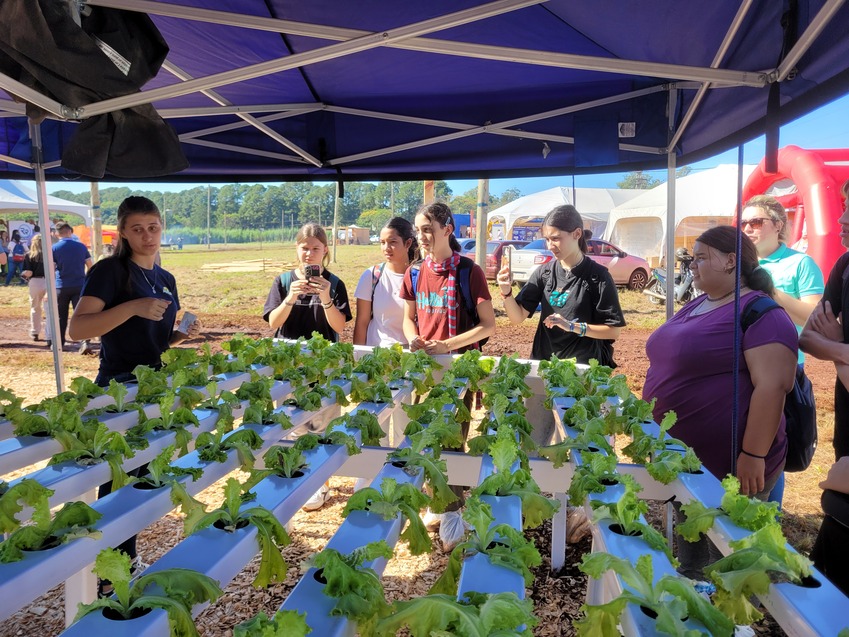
(702, 200)
(15, 196)
(594, 204)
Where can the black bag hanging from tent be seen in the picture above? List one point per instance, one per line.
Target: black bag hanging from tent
(110, 54)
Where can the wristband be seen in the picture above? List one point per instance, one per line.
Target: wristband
(508, 295)
(583, 329)
(751, 455)
(571, 327)
(327, 305)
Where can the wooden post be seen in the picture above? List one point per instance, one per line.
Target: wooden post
(96, 226)
(480, 220)
(428, 192)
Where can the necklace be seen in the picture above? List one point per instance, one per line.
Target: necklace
(719, 298)
(155, 277)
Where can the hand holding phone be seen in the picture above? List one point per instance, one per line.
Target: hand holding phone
(311, 270)
(186, 322)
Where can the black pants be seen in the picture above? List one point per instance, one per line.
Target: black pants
(66, 297)
(831, 550)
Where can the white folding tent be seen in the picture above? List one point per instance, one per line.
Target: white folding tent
(702, 199)
(594, 204)
(16, 196)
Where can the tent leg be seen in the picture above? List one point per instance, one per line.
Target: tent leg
(47, 249)
(670, 209)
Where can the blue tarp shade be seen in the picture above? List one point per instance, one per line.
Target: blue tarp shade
(477, 99)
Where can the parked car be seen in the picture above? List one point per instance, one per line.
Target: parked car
(467, 244)
(626, 270)
(494, 250)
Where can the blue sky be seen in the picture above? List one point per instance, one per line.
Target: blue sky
(827, 127)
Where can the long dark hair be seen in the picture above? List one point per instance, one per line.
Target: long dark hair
(441, 214)
(568, 219)
(724, 239)
(406, 231)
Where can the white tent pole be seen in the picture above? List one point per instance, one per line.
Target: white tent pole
(47, 252)
(670, 214)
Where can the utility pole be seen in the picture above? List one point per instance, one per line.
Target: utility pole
(282, 225)
(336, 222)
(96, 225)
(208, 208)
(483, 204)
(392, 197)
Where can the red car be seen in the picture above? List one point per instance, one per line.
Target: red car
(494, 250)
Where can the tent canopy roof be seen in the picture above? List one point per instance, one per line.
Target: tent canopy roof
(269, 90)
(17, 197)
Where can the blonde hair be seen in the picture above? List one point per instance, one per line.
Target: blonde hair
(774, 210)
(35, 248)
(313, 231)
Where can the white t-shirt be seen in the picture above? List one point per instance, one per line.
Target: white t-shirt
(387, 324)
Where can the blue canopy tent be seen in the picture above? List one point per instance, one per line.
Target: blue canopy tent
(270, 90)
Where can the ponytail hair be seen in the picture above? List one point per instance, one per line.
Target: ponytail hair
(440, 213)
(407, 232)
(724, 239)
(568, 219)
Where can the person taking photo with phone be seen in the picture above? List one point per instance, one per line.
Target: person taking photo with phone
(310, 298)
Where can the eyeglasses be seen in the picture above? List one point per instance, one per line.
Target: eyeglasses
(558, 299)
(755, 222)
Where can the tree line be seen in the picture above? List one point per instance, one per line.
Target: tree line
(236, 208)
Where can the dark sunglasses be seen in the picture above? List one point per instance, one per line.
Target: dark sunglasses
(558, 299)
(755, 222)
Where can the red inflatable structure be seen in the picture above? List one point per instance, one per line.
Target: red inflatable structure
(815, 203)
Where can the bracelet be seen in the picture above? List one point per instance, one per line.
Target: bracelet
(583, 329)
(327, 305)
(506, 296)
(571, 326)
(751, 455)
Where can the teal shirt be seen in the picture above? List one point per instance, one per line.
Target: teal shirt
(794, 273)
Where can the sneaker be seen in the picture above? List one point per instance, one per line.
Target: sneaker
(85, 347)
(432, 520)
(137, 566)
(361, 483)
(34, 336)
(744, 631)
(49, 343)
(704, 588)
(318, 499)
(452, 530)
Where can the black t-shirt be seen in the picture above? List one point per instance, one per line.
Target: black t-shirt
(36, 267)
(590, 297)
(837, 293)
(307, 315)
(137, 341)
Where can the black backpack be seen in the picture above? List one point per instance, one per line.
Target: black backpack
(800, 410)
(464, 283)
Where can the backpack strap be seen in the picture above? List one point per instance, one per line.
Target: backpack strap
(334, 282)
(376, 271)
(286, 279)
(464, 278)
(755, 309)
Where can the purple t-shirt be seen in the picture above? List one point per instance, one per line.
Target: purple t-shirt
(691, 373)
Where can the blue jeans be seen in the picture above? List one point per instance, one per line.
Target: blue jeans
(15, 267)
(777, 493)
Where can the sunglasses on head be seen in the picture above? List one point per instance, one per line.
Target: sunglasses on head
(558, 299)
(755, 222)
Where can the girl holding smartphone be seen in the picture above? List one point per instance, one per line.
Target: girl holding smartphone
(310, 298)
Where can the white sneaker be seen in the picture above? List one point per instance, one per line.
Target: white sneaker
(361, 483)
(318, 499)
(744, 631)
(452, 530)
(432, 520)
(137, 566)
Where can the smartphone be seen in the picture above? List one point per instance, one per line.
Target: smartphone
(186, 321)
(507, 260)
(311, 270)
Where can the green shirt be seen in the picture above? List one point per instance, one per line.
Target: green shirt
(794, 273)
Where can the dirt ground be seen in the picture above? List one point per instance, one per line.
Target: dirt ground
(26, 367)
